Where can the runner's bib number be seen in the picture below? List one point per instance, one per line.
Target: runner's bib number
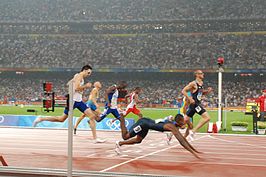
(137, 129)
(198, 109)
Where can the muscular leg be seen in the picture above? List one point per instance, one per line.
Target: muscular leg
(140, 115)
(92, 115)
(205, 118)
(79, 120)
(102, 115)
(89, 113)
(97, 111)
(51, 119)
(131, 141)
(93, 128)
(189, 125)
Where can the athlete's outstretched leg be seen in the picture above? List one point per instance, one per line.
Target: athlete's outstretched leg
(78, 122)
(205, 118)
(134, 140)
(189, 125)
(140, 115)
(92, 125)
(51, 119)
(89, 113)
(92, 115)
(130, 141)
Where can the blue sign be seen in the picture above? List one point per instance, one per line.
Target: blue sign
(27, 120)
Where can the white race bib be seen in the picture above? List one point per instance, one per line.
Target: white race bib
(198, 109)
(137, 129)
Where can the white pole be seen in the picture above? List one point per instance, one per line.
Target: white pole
(70, 129)
(220, 94)
(225, 115)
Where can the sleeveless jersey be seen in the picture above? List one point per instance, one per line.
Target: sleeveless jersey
(77, 96)
(132, 101)
(198, 94)
(112, 97)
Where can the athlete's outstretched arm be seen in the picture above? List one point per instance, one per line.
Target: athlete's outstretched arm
(181, 139)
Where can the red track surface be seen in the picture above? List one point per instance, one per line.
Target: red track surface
(223, 155)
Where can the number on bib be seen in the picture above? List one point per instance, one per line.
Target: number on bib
(198, 109)
(137, 129)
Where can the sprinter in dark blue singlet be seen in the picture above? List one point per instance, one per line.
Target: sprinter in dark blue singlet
(141, 128)
(197, 91)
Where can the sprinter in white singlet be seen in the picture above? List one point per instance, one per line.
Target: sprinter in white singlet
(79, 87)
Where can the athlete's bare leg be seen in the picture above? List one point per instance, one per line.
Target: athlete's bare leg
(97, 112)
(78, 122)
(89, 113)
(205, 118)
(131, 141)
(93, 115)
(140, 115)
(92, 125)
(51, 119)
(189, 125)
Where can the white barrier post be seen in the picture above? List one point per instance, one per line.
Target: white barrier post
(220, 80)
(70, 129)
(225, 116)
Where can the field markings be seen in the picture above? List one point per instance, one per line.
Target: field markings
(143, 156)
(231, 141)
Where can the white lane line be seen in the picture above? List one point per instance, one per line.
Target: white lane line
(91, 155)
(111, 155)
(209, 163)
(138, 151)
(151, 147)
(230, 141)
(219, 155)
(124, 155)
(143, 156)
(128, 151)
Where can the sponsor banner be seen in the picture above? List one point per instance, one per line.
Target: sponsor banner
(27, 120)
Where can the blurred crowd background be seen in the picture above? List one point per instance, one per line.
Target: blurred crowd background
(125, 35)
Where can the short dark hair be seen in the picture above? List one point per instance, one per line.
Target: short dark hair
(137, 88)
(178, 116)
(86, 67)
(122, 83)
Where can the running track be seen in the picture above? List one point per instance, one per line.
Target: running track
(223, 155)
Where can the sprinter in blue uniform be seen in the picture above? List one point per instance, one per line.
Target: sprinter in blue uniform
(141, 128)
(111, 96)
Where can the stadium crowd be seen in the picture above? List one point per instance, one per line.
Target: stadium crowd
(90, 10)
(163, 51)
(159, 92)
